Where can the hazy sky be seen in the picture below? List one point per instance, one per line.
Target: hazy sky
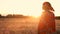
(26, 7)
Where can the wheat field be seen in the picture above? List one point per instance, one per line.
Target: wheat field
(21, 26)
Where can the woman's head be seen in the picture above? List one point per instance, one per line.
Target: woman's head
(47, 6)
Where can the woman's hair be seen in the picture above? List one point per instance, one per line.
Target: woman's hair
(47, 6)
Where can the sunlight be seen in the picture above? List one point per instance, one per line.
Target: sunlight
(22, 7)
(37, 14)
(26, 7)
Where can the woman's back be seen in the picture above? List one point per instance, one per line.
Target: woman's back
(47, 22)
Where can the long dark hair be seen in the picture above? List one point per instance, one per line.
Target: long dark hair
(47, 6)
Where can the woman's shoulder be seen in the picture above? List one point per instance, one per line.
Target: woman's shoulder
(48, 13)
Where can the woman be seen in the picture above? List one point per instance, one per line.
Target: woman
(47, 20)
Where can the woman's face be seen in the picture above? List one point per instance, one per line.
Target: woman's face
(46, 6)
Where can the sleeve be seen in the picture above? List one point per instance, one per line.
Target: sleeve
(53, 23)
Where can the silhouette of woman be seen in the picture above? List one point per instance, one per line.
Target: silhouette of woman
(47, 20)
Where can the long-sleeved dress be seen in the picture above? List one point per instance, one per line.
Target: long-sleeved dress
(47, 23)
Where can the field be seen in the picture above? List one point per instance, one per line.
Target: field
(58, 26)
(21, 25)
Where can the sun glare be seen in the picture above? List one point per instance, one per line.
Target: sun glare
(37, 14)
(26, 7)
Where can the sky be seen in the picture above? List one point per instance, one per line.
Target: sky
(26, 7)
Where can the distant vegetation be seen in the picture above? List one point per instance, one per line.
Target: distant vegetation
(20, 16)
(57, 17)
(13, 16)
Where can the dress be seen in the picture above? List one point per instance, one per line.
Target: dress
(47, 23)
